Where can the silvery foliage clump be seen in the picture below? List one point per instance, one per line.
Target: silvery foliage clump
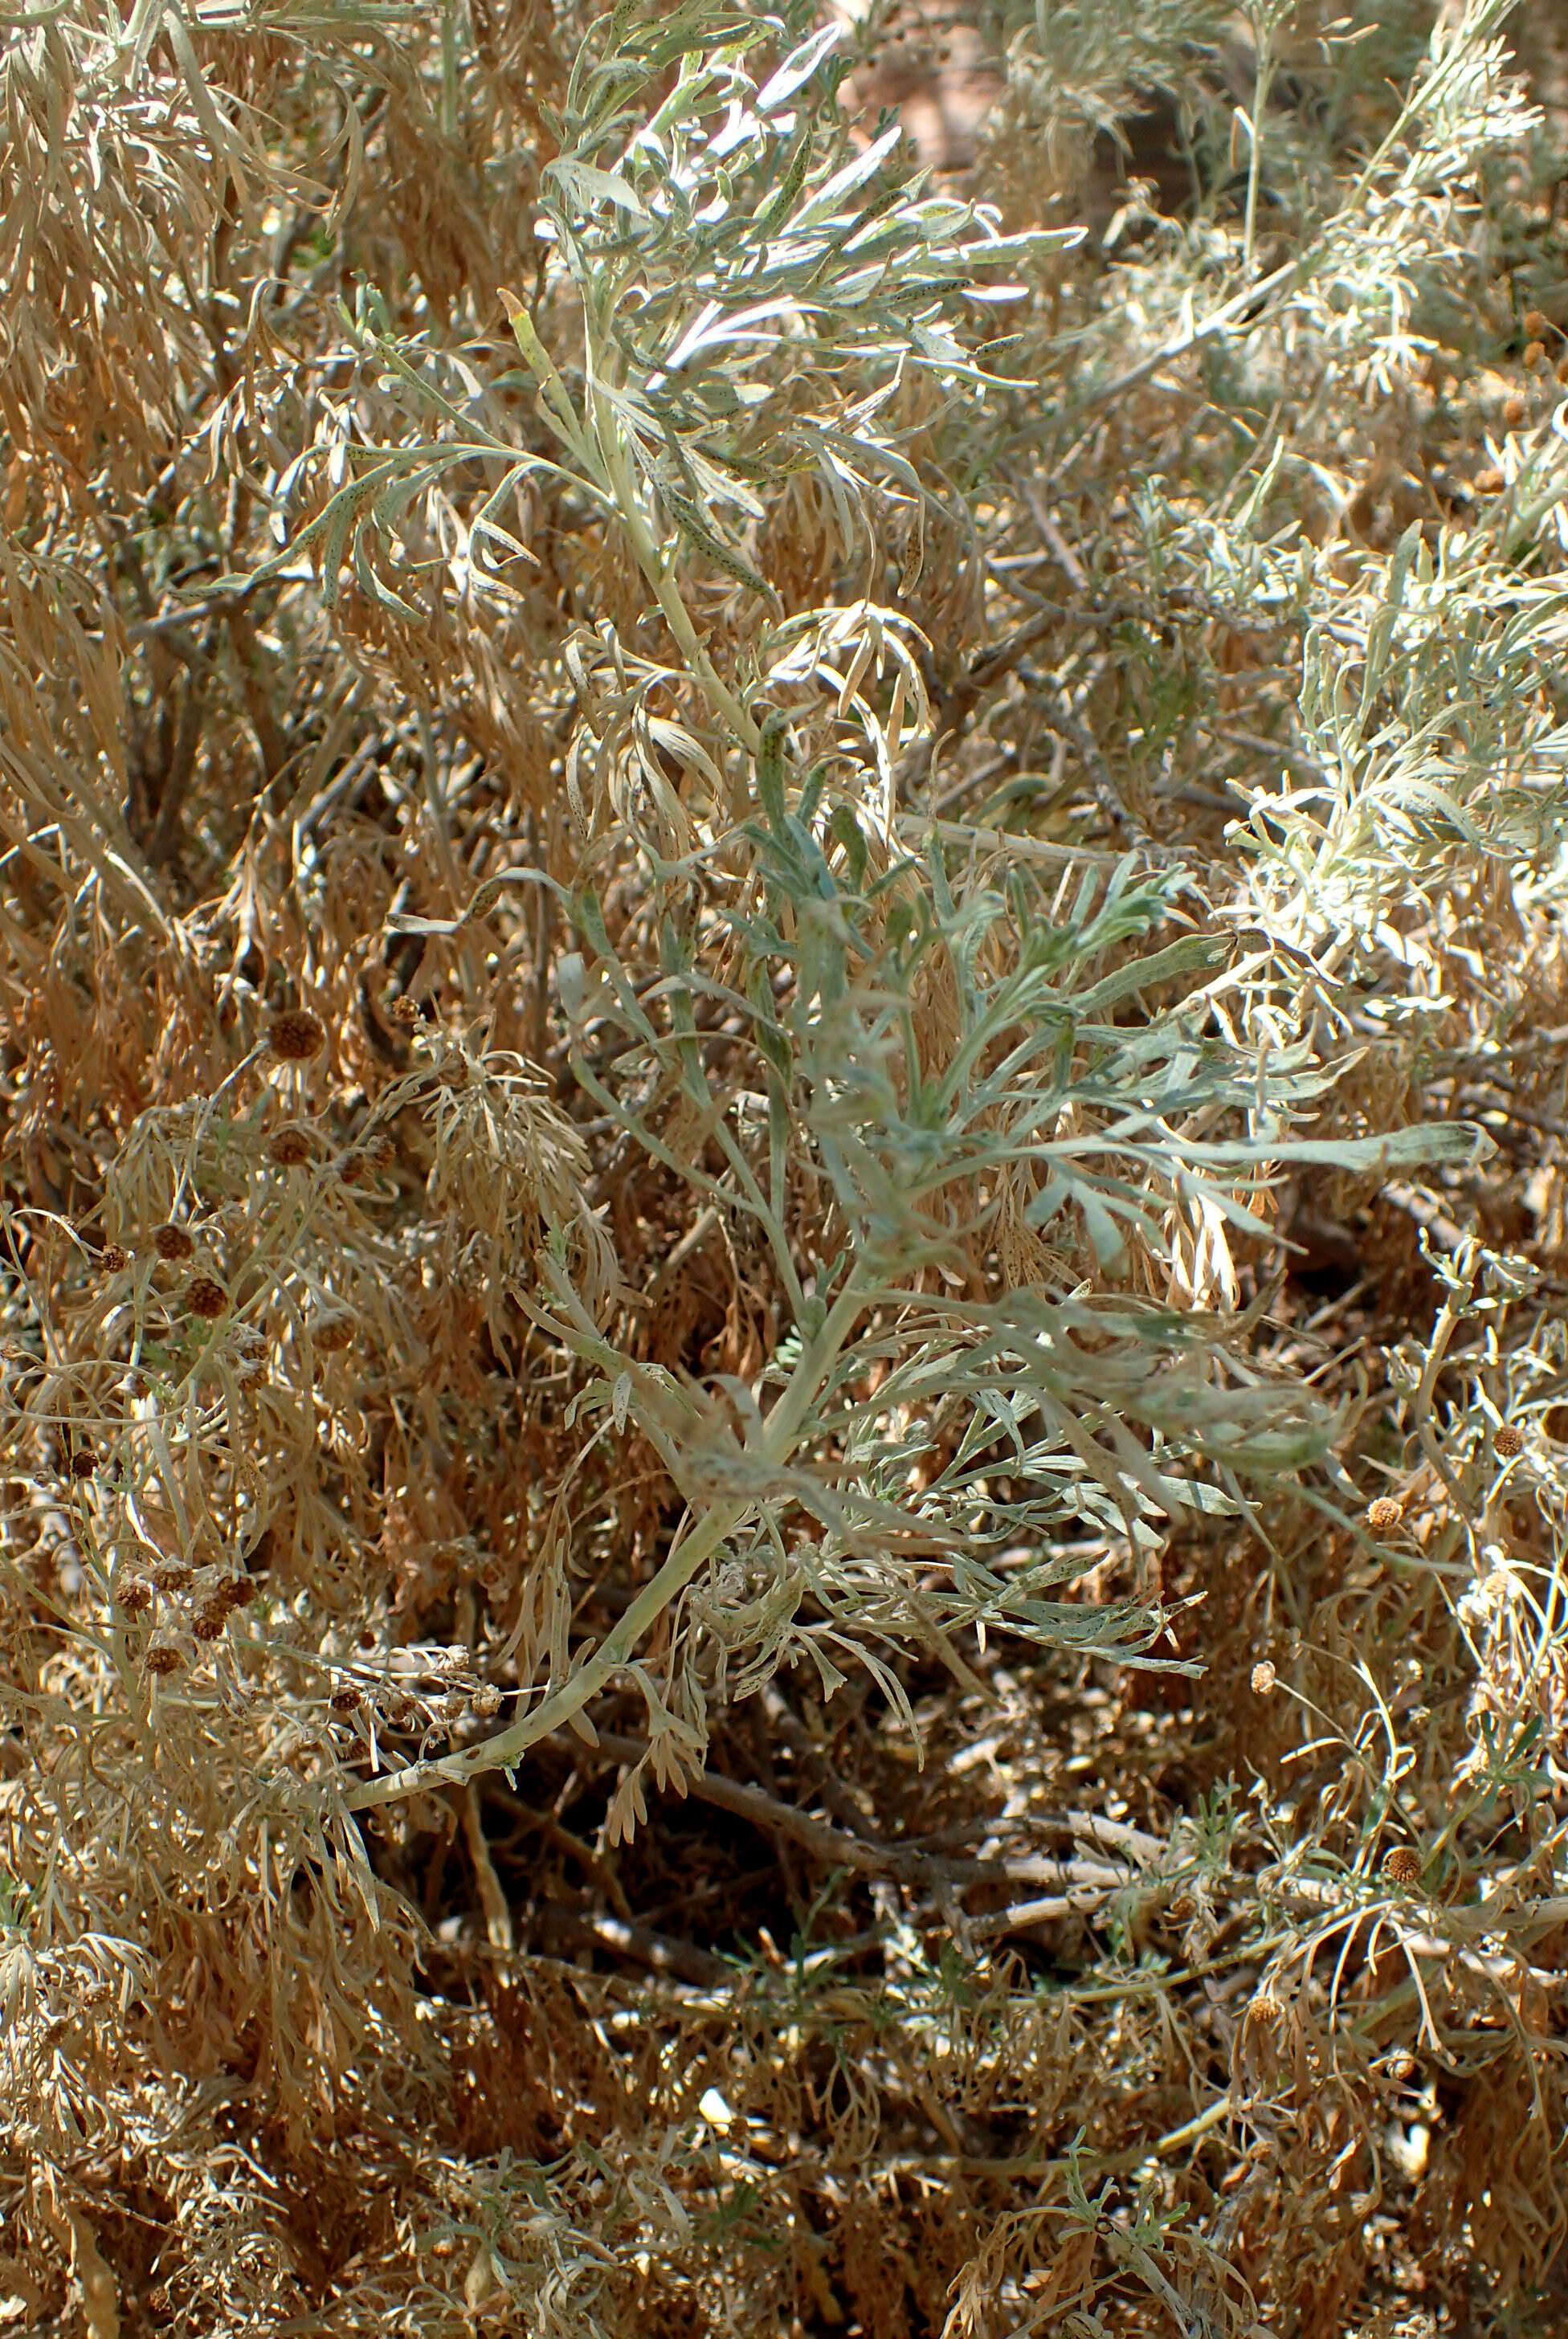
(1001, 1087)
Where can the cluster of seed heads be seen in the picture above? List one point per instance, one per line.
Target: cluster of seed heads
(401, 1711)
(135, 1594)
(375, 1153)
(236, 1591)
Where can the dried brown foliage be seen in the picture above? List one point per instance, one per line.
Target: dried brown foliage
(784, 1033)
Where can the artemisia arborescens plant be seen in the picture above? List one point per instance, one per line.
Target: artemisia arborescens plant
(779, 1003)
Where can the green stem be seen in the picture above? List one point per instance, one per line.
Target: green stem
(780, 1435)
(652, 562)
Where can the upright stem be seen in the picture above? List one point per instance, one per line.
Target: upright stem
(1261, 79)
(677, 617)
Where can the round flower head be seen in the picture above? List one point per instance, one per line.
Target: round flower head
(289, 1147)
(297, 1035)
(206, 1297)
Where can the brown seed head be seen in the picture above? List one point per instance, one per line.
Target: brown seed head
(1537, 324)
(1514, 409)
(82, 1465)
(206, 1297)
(1402, 1864)
(113, 1259)
(211, 1620)
(135, 1595)
(297, 1035)
(173, 1243)
(487, 1701)
(289, 1147)
(1263, 1678)
(1265, 2011)
(172, 1575)
(1384, 1513)
(1402, 2066)
(405, 1014)
(164, 1656)
(237, 1593)
(331, 1335)
(346, 1700)
(1508, 1441)
(1534, 353)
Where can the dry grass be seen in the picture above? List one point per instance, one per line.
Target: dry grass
(784, 1406)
